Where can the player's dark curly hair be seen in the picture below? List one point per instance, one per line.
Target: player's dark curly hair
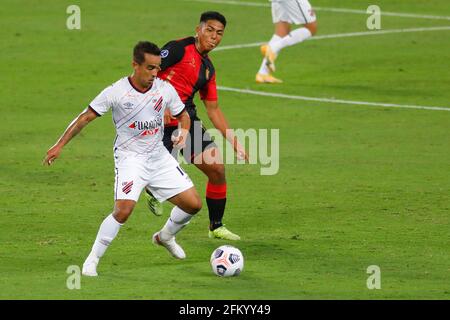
(143, 47)
(213, 15)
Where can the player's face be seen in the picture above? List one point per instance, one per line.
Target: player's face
(209, 35)
(147, 71)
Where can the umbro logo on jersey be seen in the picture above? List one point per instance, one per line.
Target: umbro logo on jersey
(127, 186)
(128, 105)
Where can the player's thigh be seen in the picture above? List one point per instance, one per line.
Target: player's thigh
(210, 162)
(188, 200)
(167, 178)
(294, 12)
(129, 178)
(198, 141)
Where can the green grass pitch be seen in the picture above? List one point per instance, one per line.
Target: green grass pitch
(357, 186)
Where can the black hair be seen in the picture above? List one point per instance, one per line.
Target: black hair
(213, 15)
(143, 47)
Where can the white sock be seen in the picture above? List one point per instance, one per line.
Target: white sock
(263, 69)
(178, 220)
(107, 232)
(296, 36)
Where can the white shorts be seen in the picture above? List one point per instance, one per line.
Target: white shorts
(293, 11)
(163, 176)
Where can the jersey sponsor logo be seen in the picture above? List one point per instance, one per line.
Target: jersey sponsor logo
(127, 186)
(164, 53)
(149, 132)
(146, 125)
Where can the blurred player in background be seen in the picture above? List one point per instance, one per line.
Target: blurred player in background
(186, 65)
(138, 103)
(285, 13)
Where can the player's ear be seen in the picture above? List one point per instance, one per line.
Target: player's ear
(198, 28)
(134, 64)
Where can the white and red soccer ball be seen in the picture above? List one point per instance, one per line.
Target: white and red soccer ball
(227, 261)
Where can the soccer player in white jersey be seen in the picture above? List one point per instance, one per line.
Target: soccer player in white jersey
(284, 14)
(141, 160)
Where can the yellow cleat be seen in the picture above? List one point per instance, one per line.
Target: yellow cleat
(267, 78)
(271, 56)
(223, 233)
(264, 49)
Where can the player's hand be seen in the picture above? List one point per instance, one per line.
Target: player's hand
(168, 116)
(240, 152)
(179, 138)
(52, 154)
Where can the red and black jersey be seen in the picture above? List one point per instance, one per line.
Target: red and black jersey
(188, 71)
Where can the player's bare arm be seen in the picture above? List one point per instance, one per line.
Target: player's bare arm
(72, 130)
(179, 141)
(219, 121)
(168, 117)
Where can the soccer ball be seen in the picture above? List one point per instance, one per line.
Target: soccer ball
(227, 261)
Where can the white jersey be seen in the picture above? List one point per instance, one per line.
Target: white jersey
(292, 11)
(138, 116)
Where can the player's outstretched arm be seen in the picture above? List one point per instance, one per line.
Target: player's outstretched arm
(72, 130)
(179, 141)
(219, 121)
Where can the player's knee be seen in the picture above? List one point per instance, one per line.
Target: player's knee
(121, 214)
(194, 205)
(197, 205)
(217, 174)
(312, 27)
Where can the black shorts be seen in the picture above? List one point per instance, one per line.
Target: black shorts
(198, 140)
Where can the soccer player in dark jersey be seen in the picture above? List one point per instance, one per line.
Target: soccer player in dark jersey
(186, 65)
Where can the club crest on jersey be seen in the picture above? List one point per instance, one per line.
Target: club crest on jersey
(164, 53)
(158, 105)
(127, 186)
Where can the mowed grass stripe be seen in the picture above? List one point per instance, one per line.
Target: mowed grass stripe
(326, 100)
(342, 35)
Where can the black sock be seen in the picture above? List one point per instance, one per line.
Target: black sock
(216, 208)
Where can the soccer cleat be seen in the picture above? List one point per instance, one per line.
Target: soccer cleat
(267, 78)
(223, 233)
(174, 248)
(153, 204)
(271, 56)
(90, 267)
